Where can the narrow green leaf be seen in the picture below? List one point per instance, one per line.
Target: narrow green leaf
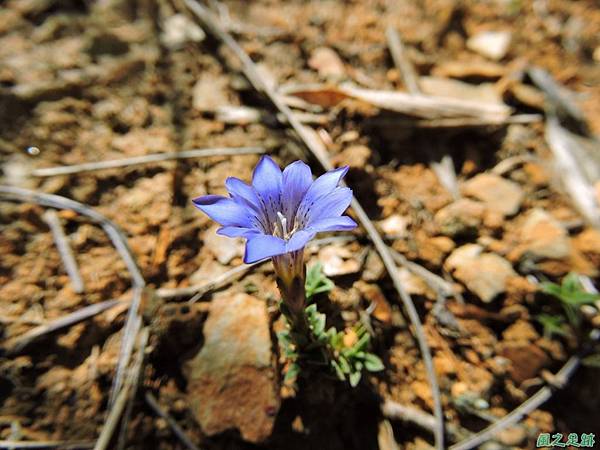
(338, 370)
(344, 365)
(551, 288)
(354, 378)
(373, 363)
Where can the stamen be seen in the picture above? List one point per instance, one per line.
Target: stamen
(282, 223)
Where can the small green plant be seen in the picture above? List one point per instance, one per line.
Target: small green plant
(553, 325)
(571, 294)
(344, 352)
(317, 282)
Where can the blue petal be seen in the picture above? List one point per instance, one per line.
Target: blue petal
(224, 211)
(266, 181)
(261, 246)
(299, 239)
(324, 184)
(267, 178)
(297, 178)
(243, 193)
(343, 223)
(328, 205)
(237, 231)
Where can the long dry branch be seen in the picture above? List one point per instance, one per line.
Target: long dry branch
(211, 24)
(62, 322)
(145, 159)
(198, 290)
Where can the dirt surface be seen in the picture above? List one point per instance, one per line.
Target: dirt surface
(93, 81)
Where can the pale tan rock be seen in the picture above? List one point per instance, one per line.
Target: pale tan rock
(588, 241)
(520, 330)
(395, 225)
(327, 62)
(355, 156)
(542, 236)
(491, 44)
(460, 217)
(222, 247)
(338, 260)
(210, 92)
(485, 274)
(179, 29)
(498, 194)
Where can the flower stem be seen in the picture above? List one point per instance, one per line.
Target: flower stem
(293, 297)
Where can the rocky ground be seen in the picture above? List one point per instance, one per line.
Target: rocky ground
(470, 193)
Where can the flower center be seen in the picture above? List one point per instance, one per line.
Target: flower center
(280, 227)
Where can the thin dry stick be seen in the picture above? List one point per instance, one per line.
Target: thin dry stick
(117, 408)
(64, 249)
(146, 159)
(130, 331)
(401, 61)
(118, 240)
(129, 408)
(508, 164)
(441, 286)
(397, 411)
(198, 290)
(211, 24)
(177, 431)
(556, 94)
(62, 322)
(63, 445)
(525, 408)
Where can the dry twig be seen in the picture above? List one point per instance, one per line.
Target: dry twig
(177, 431)
(401, 61)
(64, 249)
(146, 159)
(62, 322)
(397, 411)
(199, 290)
(437, 283)
(210, 23)
(558, 96)
(124, 394)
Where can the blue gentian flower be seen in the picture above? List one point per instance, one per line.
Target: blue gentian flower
(280, 212)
